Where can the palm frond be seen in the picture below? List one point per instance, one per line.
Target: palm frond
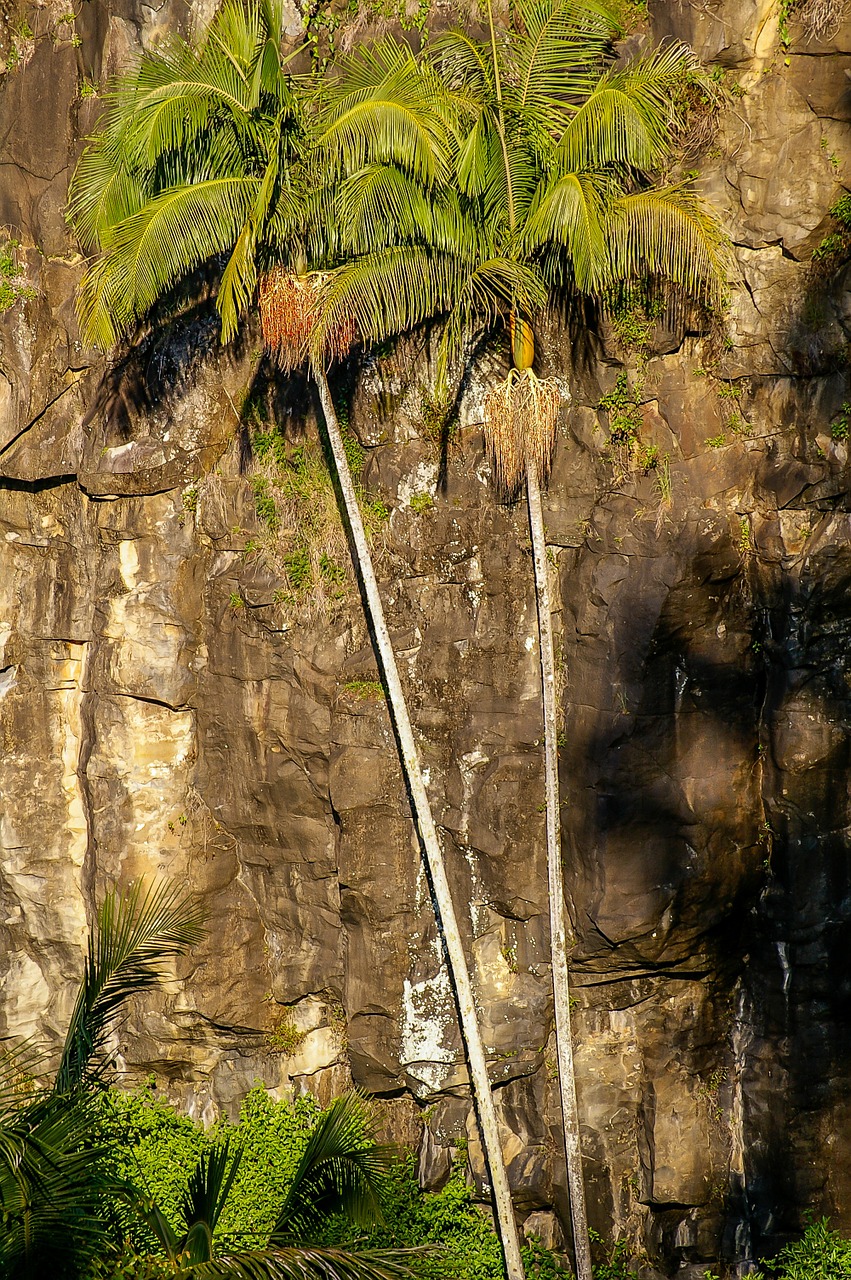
(382, 110)
(671, 234)
(103, 192)
(463, 65)
(208, 1189)
(342, 1170)
(627, 118)
(137, 931)
(382, 205)
(571, 215)
(307, 1264)
(558, 56)
(50, 1182)
(173, 233)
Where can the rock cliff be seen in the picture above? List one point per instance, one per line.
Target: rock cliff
(160, 712)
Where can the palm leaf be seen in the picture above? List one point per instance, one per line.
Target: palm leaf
(668, 233)
(307, 1264)
(382, 110)
(206, 1196)
(627, 119)
(342, 1170)
(52, 1191)
(570, 216)
(103, 192)
(137, 931)
(559, 56)
(173, 233)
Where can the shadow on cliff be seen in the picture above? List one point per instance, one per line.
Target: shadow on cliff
(714, 819)
(157, 364)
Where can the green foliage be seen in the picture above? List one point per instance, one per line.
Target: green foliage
(786, 9)
(150, 1144)
(327, 19)
(20, 43)
(365, 690)
(296, 503)
(438, 419)
(613, 1260)
(623, 405)
(467, 1246)
(630, 14)
(821, 1254)
(285, 1036)
(13, 285)
(840, 428)
(56, 1186)
(716, 442)
(421, 502)
(835, 249)
(156, 1148)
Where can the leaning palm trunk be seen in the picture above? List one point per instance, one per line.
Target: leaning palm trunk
(521, 414)
(431, 844)
(558, 927)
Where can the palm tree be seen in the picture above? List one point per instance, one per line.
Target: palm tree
(535, 176)
(52, 1189)
(342, 1171)
(202, 153)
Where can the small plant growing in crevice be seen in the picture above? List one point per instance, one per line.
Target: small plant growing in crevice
(284, 1037)
(835, 249)
(819, 19)
(840, 427)
(14, 286)
(302, 538)
(625, 449)
(438, 419)
(744, 543)
(364, 690)
(421, 502)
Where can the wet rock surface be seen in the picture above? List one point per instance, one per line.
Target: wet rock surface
(160, 713)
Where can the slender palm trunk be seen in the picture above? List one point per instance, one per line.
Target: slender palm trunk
(434, 854)
(558, 927)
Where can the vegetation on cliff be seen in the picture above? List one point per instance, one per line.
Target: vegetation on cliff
(69, 1202)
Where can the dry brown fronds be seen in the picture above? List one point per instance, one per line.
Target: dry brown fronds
(521, 415)
(289, 310)
(821, 19)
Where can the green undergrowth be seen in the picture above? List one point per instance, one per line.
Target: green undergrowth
(152, 1145)
(156, 1148)
(820, 1254)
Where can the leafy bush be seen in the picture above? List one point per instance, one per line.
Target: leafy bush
(821, 1254)
(154, 1147)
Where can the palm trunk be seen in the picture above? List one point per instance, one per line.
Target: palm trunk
(558, 929)
(447, 920)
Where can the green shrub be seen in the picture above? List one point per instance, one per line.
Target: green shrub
(821, 1254)
(840, 428)
(154, 1147)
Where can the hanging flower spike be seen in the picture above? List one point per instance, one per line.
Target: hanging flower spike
(521, 414)
(289, 308)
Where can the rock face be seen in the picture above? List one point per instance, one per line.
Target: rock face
(160, 714)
